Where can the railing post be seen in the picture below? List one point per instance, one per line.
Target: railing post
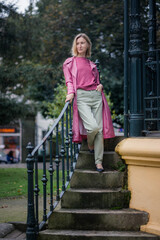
(74, 147)
(70, 135)
(57, 163)
(77, 150)
(67, 145)
(36, 190)
(44, 180)
(31, 228)
(51, 171)
(63, 154)
(136, 91)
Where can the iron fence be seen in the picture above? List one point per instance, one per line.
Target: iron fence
(151, 90)
(62, 160)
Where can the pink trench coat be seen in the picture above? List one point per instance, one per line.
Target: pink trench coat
(79, 132)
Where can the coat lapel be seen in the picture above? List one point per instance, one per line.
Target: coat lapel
(74, 68)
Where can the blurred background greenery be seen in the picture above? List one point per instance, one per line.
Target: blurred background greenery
(35, 44)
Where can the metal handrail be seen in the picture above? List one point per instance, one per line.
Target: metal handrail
(52, 128)
(68, 165)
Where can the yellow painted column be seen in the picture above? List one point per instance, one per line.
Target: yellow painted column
(142, 155)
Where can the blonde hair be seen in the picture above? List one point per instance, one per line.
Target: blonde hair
(74, 45)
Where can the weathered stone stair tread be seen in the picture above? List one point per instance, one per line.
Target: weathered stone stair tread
(86, 160)
(86, 178)
(16, 234)
(105, 152)
(96, 219)
(84, 234)
(90, 171)
(96, 198)
(95, 172)
(95, 190)
(109, 144)
(102, 211)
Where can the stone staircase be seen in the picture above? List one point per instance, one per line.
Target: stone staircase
(97, 204)
(9, 231)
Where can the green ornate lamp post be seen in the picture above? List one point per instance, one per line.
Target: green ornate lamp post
(135, 50)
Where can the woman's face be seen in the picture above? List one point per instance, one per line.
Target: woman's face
(82, 46)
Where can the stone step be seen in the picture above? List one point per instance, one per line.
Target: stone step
(93, 179)
(16, 234)
(96, 198)
(109, 144)
(94, 235)
(111, 160)
(99, 220)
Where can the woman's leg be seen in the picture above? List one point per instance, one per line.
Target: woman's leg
(90, 110)
(98, 141)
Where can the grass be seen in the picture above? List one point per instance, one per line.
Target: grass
(14, 182)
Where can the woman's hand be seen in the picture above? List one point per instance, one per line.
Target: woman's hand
(69, 97)
(99, 88)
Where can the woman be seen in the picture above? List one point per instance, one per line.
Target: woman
(91, 115)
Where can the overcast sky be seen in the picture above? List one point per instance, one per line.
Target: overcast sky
(21, 4)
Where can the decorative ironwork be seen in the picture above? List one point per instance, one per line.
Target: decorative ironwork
(33, 224)
(142, 70)
(151, 92)
(135, 28)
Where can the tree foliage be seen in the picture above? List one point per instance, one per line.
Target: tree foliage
(27, 85)
(35, 44)
(54, 108)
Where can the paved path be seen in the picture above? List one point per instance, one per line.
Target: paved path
(21, 165)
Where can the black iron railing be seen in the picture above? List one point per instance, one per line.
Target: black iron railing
(58, 149)
(151, 90)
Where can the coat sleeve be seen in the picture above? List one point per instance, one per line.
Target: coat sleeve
(68, 78)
